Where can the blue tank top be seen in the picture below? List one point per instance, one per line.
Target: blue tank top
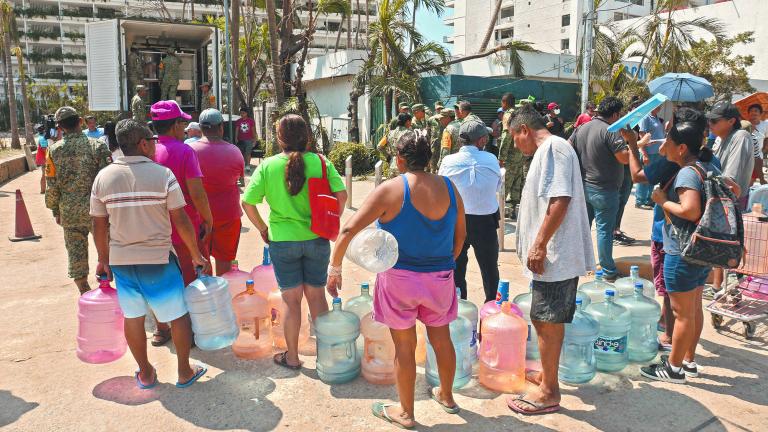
(424, 245)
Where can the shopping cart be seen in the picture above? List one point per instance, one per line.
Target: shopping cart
(745, 299)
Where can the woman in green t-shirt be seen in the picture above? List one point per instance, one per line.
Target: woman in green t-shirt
(299, 256)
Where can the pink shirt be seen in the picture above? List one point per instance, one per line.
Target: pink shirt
(245, 129)
(581, 119)
(182, 161)
(222, 165)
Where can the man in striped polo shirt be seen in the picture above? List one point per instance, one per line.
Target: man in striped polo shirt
(130, 206)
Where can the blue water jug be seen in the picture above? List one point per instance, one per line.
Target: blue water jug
(523, 301)
(361, 306)
(468, 310)
(577, 357)
(336, 331)
(611, 351)
(595, 289)
(210, 309)
(626, 286)
(461, 336)
(645, 312)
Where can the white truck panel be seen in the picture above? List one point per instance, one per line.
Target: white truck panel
(104, 87)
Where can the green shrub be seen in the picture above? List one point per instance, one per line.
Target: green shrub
(363, 158)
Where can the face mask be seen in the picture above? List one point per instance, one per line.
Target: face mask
(557, 112)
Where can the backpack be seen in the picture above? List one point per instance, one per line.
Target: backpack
(717, 238)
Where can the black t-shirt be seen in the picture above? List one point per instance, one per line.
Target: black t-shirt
(596, 148)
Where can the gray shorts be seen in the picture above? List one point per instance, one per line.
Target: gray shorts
(554, 302)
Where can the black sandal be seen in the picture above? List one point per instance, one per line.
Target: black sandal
(281, 360)
(161, 337)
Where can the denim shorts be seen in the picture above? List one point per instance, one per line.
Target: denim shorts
(554, 302)
(300, 262)
(682, 276)
(159, 286)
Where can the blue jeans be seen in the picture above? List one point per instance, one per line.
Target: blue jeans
(624, 192)
(643, 190)
(603, 208)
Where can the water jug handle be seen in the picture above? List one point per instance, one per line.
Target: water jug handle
(199, 271)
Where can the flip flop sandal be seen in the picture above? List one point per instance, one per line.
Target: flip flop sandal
(200, 372)
(143, 386)
(282, 360)
(161, 337)
(539, 408)
(450, 410)
(379, 410)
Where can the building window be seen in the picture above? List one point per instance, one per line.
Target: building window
(507, 12)
(505, 34)
(565, 44)
(619, 16)
(634, 2)
(566, 20)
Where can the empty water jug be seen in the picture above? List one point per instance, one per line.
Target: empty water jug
(596, 289)
(254, 318)
(502, 351)
(336, 331)
(278, 307)
(577, 357)
(236, 279)
(468, 310)
(264, 281)
(523, 301)
(494, 306)
(373, 249)
(611, 350)
(100, 336)
(643, 344)
(378, 354)
(626, 286)
(421, 343)
(360, 306)
(210, 309)
(461, 336)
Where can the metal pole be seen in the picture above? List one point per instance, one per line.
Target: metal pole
(377, 173)
(228, 64)
(502, 210)
(348, 174)
(586, 57)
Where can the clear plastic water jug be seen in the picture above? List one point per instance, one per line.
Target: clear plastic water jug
(100, 336)
(278, 306)
(373, 249)
(360, 306)
(468, 310)
(236, 279)
(626, 286)
(577, 357)
(378, 354)
(421, 343)
(596, 289)
(494, 306)
(461, 336)
(611, 350)
(643, 342)
(502, 351)
(263, 276)
(336, 331)
(210, 309)
(523, 301)
(254, 318)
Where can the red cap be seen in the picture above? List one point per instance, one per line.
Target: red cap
(168, 110)
(552, 105)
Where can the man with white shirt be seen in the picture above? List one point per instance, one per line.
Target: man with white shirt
(477, 177)
(759, 139)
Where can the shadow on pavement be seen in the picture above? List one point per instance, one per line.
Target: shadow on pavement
(748, 386)
(12, 407)
(511, 422)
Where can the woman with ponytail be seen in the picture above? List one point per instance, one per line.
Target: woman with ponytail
(299, 256)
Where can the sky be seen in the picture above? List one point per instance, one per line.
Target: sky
(432, 27)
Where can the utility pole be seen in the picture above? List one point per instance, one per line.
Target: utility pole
(228, 66)
(586, 57)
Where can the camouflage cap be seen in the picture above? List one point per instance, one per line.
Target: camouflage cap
(447, 112)
(439, 105)
(417, 107)
(404, 105)
(65, 112)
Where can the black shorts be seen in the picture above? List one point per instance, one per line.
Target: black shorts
(554, 302)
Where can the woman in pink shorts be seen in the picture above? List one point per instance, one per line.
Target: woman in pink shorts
(426, 216)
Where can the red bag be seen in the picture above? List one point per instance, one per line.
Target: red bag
(324, 206)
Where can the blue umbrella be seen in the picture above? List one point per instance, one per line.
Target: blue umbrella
(682, 87)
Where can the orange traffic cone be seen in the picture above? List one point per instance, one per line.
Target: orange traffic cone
(24, 229)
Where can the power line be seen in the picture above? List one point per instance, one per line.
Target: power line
(519, 79)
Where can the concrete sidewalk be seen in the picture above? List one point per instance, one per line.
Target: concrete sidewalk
(43, 386)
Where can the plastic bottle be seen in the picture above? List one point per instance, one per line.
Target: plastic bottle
(361, 306)
(100, 336)
(210, 309)
(378, 354)
(643, 344)
(611, 350)
(502, 356)
(523, 301)
(278, 306)
(254, 318)
(494, 306)
(421, 343)
(468, 310)
(577, 357)
(461, 336)
(626, 286)
(596, 289)
(236, 279)
(264, 281)
(373, 249)
(336, 331)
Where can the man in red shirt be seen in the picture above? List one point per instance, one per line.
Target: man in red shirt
(245, 129)
(586, 116)
(222, 166)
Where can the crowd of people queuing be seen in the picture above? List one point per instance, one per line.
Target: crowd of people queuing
(161, 202)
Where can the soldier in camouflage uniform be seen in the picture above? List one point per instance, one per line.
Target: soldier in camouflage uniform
(170, 76)
(427, 126)
(138, 105)
(511, 158)
(135, 69)
(441, 119)
(449, 142)
(70, 167)
(464, 112)
(388, 146)
(207, 99)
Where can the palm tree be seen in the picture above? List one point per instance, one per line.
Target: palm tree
(436, 6)
(491, 26)
(28, 129)
(277, 69)
(7, 28)
(341, 7)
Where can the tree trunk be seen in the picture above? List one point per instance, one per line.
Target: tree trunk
(352, 109)
(13, 118)
(491, 25)
(192, 9)
(388, 101)
(413, 22)
(287, 46)
(235, 42)
(367, 22)
(349, 26)
(28, 129)
(338, 35)
(357, 30)
(277, 69)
